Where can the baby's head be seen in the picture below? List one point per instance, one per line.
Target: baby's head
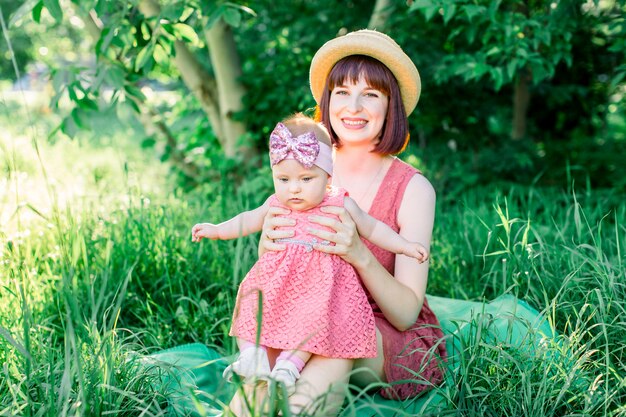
(301, 158)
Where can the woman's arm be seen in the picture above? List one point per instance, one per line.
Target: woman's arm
(242, 224)
(416, 218)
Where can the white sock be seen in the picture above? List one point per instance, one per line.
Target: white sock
(286, 371)
(251, 363)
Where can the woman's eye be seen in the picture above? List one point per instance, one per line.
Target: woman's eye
(341, 92)
(307, 179)
(374, 95)
(282, 179)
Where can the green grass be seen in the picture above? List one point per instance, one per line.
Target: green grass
(97, 269)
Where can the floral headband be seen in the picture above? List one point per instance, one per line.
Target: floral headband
(304, 148)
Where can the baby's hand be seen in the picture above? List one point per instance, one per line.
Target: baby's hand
(204, 230)
(417, 251)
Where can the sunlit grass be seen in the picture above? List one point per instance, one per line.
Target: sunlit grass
(97, 270)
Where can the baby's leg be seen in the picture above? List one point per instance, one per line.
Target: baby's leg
(288, 366)
(251, 363)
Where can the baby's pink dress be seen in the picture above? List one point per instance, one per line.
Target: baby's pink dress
(312, 301)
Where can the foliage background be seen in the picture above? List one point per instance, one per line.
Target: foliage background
(97, 194)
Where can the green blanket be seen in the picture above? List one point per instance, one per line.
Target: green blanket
(192, 380)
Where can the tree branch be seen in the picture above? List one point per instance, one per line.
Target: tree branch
(380, 15)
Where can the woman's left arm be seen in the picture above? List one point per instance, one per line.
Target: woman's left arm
(416, 218)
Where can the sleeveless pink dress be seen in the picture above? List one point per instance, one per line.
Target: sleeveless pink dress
(311, 301)
(417, 352)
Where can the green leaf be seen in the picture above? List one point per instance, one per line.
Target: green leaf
(168, 30)
(27, 7)
(37, 12)
(186, 32)
(480, 69)
(232, 17)
(511, 68)
(173, 11)
(472, 11)
(214, 17)
(493, 10)
(106, 37)
(54, 8)
(498, 78)
(187, 13)
(77, 117)
(470, 33)
(133, 91)
(430, 12)
(421, 4)
(87, 104)
(494, 50)
(148, 142)
(448, 13)
(160, 55)
(143, 57)
(539, 72)
(68, 126)
(146, 31)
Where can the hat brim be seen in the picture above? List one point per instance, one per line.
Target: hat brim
(376, 45)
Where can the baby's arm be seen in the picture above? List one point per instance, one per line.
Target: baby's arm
(242, 224)
(382, 235)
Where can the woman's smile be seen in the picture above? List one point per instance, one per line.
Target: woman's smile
(352, 123)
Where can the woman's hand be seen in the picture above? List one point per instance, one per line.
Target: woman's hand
(348, 244)
(269, 233)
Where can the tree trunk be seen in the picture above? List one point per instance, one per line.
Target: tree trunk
(227, 68)
(148, 116)
(521, 99)
(380, 15)
(196, 78)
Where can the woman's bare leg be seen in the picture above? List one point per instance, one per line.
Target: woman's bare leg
(248, 394)
(248, 400)
(322, 386)
(370, 370)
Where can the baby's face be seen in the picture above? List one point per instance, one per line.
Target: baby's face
(298, 187)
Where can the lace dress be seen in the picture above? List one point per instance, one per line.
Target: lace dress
(417, 352)
(311, 301)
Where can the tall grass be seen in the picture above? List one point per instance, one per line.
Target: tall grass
(563, 252)
(97, 269)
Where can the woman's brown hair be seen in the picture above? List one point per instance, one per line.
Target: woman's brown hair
(395, 130)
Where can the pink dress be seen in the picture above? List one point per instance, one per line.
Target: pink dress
(311, 301)
(418, 352)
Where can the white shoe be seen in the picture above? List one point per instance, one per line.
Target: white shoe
(251, 364)
(286, 372)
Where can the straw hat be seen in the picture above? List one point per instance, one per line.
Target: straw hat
(370, 43)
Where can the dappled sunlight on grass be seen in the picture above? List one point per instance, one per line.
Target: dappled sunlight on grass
(40, 176)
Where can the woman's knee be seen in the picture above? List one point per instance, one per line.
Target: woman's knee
(322, 386)
(370, 370)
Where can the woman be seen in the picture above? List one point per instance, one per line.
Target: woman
(365, 87)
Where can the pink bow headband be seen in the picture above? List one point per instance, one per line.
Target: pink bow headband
(304, 148)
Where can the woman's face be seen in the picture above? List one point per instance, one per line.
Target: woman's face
(357, 112)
